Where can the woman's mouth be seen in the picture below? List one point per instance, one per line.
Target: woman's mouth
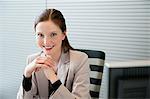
(48, 48)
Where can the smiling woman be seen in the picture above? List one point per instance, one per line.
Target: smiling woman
(58, 71)
(49, 38)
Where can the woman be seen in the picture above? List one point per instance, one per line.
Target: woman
(58, 72)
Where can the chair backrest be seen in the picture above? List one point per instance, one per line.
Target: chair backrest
(96, 61)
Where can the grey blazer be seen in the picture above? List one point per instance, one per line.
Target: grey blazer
(73, 71)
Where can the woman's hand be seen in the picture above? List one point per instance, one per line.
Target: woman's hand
(50, 74)
(45, 63)
(33, 66)
(50, 69)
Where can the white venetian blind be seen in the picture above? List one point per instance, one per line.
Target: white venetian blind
(17, 41)
(120, 28)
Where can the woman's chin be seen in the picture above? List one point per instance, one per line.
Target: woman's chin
(47, 52)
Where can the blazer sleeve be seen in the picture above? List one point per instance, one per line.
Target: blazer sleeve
(31, 94)
(81, 82)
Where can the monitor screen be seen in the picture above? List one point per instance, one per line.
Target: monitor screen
(127, 80)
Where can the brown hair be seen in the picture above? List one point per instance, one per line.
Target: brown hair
(57, 17)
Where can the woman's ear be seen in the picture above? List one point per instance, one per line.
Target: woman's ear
(64, 35)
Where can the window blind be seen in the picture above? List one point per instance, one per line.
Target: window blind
(17, 41)
(120, 28)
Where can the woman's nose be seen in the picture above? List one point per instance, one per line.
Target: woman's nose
(47, 41)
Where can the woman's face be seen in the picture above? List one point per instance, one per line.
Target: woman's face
(49, 37)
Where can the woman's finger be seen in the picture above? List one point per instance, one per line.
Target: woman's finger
(41, 65)
(37, 69)
(50, 58)
(46, 60)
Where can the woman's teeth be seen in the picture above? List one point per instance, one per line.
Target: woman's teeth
(48, 48)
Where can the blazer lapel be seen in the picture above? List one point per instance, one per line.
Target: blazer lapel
(63, 67)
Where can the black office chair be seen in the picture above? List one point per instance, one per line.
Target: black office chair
(96, 61)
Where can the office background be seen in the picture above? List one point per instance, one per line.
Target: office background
(120, 28)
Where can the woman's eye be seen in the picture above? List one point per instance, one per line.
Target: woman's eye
(53, 34)
(40, 35)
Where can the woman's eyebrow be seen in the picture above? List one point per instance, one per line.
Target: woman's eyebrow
(53, 32)
(39, 32)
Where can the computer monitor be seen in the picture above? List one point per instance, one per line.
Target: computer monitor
(127, 80)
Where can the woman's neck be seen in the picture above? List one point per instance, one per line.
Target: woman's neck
(57, 56)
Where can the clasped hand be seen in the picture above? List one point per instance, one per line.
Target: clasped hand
(47, 64)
